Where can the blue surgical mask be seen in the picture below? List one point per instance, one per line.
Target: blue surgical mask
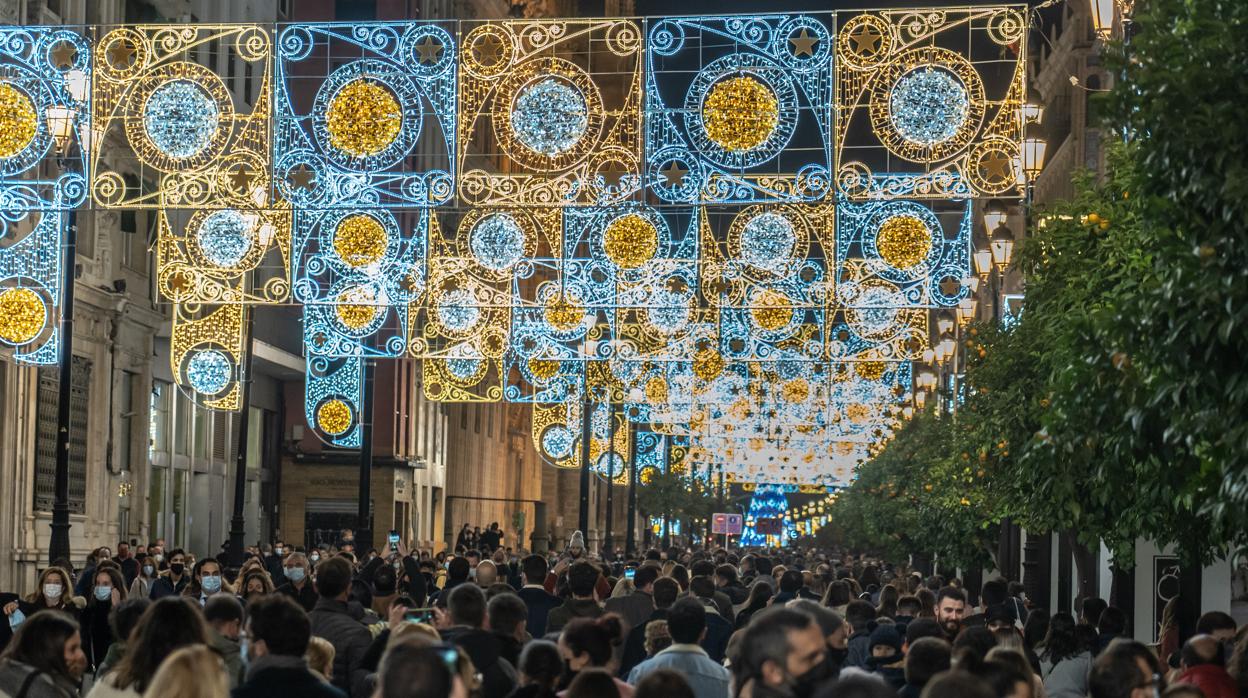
(211, 583)
(16, 618)
(103, 593)
(295, 574)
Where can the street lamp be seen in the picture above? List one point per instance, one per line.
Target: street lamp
(966, 309)
(944, 322)
(1002, 246)
(61, 121)
(983, 262)
(995, 213)
(1033, 147)
(1033, 108)
(1102, 17)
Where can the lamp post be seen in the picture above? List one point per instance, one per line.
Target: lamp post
(61, 120)
(1102, 17)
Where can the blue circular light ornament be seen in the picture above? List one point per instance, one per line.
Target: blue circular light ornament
(208, 371)
(928, 106)
(767, 241)
(180, 119)
(668, 312)
(876, 309)
(458, 311)
(557, 441)
(600, 422)
(497, 242)
(549, 116)
(224, 237)
(463, 369)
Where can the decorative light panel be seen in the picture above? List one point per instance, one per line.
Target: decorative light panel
(45, 78)
(178, 135)
(333, 393)
(940, 92)
(366, 114)
(549, 112)
(206, 350)
(358, 272)
(738, 109)
(30, 283)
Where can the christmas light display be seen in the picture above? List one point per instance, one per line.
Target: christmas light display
(728, 234)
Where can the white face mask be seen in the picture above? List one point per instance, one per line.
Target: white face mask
(53, 590)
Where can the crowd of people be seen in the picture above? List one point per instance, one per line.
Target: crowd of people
(394, 623)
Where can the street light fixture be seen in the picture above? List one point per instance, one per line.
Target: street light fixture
(966, 309)
(1002, 246)
(1102, 17)
(1033, 108)
(983, 262)
(1033, 147)
(995, 213)
(944, 322)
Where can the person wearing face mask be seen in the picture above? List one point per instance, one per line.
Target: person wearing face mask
(107, 592)
(781, 654)
(142, 585)
(175, 581)
(298, 585)
(835, 633)
(206, 580)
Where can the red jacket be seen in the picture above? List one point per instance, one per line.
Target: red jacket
(1212, 680)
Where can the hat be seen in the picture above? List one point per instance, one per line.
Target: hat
(885, 634)
(998, 613)
(578, 540)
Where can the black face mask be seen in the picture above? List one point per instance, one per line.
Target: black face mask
(805, 685)
(176, 568)
(835, 659)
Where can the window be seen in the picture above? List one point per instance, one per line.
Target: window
(158, 419)
(46, 418)
(124, 436)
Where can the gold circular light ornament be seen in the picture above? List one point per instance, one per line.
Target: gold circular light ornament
(656, 390)
(869, 370)
(22, 315)
(360, 240)
(739, 114)
(771, 309)
(543, 369)
(707, 364)
(19, 121)
(795, 391)
(334, 417)
(630, 241)
(363, 119)
(903, 241)
(564, 314)
(356, 308)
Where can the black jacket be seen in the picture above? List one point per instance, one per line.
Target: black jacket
(279, 683)
(333, 621)
(97, 637)
(305, 597)
(498, 676)
(540, 603)
(164, 586)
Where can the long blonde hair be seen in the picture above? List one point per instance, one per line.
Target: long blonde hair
(191, 672)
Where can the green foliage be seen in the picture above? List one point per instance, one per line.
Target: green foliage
(1117, 408)
(676, 495)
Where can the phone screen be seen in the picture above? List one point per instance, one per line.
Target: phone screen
(450, 656)
(394, 540)
(419, 615)
(628, 573)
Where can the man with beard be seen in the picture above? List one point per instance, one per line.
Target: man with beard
(835, 633)
(950, 609)
(781, 654)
